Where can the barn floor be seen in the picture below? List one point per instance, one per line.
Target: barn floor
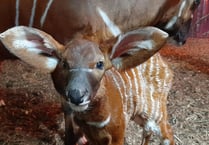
(30, 112)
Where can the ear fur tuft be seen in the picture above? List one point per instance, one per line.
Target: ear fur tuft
(29, 44)
(135, 47)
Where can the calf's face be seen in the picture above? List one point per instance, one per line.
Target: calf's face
(82, 65)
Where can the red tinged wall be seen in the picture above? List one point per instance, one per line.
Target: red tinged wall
(200, 24)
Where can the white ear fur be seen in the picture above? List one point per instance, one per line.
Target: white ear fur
(29, 44)
(135, 47)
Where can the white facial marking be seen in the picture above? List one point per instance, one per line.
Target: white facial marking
(79, 108)
(173, 20)
(81, 69)
(181, 8)
(33, 11)
(171, 23)
(112, 27)
(100, 124)
(17, 12)
(43, 17)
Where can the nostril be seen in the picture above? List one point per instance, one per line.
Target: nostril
(76, 97)
(85, 92)
(76, 101)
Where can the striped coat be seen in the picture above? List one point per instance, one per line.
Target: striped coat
(143, 89)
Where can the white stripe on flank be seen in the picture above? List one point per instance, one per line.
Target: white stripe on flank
(112, 27)
(153, 109)
(151, 69)
(157, 79)
(143, 67)
(116, 83)
(33, 11)
(159, 88)
(43, 17)
(125, 91)
(163, 63)
(143, 87)
(136, 89)
(130, 91)
(17, 12)
(161, 82)
(157, 110)
(167, 74)
(160, 116)
(152, 88)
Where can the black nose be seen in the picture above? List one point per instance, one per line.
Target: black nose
(76, 96)
(180, 38)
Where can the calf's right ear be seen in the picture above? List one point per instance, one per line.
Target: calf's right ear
(33, 46)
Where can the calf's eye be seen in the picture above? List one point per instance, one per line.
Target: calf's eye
(100, 65)
(65, 65)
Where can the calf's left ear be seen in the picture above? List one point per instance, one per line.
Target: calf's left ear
(135, 47)
(33, 46)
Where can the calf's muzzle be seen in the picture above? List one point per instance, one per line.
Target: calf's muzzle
(76, 96)
(78, 89)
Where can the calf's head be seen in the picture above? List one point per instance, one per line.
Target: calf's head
(78, 73)
(78, 68)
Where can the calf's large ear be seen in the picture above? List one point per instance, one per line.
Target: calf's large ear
(33, 46)
(135, 47)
